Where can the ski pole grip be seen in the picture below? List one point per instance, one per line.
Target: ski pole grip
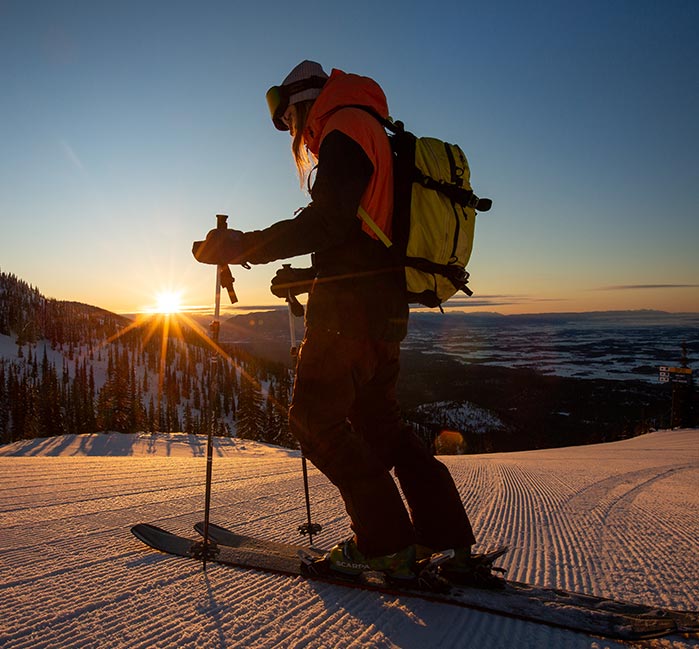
(225, 277)
(294, 305)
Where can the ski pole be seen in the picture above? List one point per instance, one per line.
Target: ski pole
(308, 527)
(296, 309)
(293, 350)
(223, 277)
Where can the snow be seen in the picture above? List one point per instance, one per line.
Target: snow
(461, 416)
(141, 444)
(605, 345)
(619, 519)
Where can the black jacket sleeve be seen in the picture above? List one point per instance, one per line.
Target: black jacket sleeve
(342, 176)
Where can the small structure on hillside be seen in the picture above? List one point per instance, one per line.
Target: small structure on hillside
(681, 380)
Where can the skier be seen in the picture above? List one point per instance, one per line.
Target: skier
(344, 409)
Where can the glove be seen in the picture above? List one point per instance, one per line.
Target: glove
(292, 280)
(220, 247)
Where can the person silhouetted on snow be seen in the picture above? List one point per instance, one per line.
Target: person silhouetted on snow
(344, 410)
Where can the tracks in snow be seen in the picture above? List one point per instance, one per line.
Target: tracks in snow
(611, 522)
(632, 533)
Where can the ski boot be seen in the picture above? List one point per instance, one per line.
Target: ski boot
(400, 569)
(346, 558)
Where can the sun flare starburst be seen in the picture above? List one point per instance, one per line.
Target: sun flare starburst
(170, 320)
(168, 302)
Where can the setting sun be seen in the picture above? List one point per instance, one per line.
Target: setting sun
(168, 302)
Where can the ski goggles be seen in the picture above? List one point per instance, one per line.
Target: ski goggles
(279, 97)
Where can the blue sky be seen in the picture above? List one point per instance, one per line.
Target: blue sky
(126, 127)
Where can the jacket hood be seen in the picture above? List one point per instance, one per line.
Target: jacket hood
(341, 90)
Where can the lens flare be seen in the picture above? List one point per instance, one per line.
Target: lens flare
(450, 442)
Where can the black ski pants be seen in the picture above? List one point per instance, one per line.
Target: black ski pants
(346, 416)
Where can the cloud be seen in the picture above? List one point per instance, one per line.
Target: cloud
(634, 287)
(499, 300)
(207, 309)
(71, 155)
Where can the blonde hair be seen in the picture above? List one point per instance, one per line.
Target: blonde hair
(303, 158)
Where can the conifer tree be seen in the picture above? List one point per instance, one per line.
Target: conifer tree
(4, 406)
(250, 414)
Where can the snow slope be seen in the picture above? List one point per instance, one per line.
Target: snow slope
(618, 519)
(139, 445)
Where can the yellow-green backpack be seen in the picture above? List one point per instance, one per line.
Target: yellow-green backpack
(434, 215)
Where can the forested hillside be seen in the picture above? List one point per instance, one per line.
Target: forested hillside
(69, 367)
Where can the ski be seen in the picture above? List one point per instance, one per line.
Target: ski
(685, 621)
(586, 614)
(224, 536)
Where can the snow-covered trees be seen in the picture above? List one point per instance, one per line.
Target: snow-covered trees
(88, 370)
(55, 395)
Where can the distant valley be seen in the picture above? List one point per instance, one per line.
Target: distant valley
(497, 382)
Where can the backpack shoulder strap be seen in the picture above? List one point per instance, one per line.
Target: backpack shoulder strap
(387, 123)
(364, 215)
(361, 212)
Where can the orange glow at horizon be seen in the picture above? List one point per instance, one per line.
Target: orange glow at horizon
(168, 302)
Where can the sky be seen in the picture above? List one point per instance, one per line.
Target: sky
(126, 127)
